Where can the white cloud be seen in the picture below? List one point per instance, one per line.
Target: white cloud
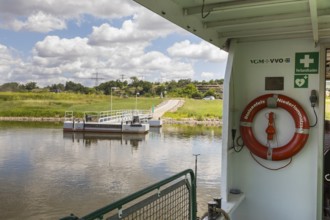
(162, 67)
(201, 51)
(142, 28)
(105, 35)
(69, 8)
(111, 49)
(8, 61)
(53, 46)
(5, 60)
(37, 22)
(41, 22)
(55, 56)
(207, 75)
(44, 16)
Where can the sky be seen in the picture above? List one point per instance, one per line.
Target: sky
(55, 41)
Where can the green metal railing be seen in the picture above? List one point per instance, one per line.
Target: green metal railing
(172, 198)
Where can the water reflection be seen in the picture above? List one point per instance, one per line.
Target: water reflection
(89, 138)
(47, 174)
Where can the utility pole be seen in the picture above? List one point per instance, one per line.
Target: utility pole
(96, 78)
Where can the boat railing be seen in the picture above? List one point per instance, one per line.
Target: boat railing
(68, 116)
(114, 116)
(90, 116)
(171, 198)
(123, 115)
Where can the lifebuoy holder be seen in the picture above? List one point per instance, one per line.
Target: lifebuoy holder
(298, 114)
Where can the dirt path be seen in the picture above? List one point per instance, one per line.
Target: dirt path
(169, 105)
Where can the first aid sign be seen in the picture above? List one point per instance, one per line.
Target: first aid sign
(307, 63)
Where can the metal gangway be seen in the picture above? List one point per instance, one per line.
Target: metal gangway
(114, 116)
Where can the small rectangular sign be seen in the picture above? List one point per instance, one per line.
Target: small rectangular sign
(274, 83)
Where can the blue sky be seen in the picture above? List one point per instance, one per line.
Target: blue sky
(60, 40)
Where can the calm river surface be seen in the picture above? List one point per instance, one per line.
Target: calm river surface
(48, 174)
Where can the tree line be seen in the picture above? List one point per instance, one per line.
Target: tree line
(181, 88)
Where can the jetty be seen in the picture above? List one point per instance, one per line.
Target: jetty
(116, 121)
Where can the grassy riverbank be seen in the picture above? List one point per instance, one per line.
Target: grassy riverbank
(198, 110)
(54, 105)
(45, 104)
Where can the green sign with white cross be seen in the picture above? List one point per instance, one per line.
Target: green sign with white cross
(307, 63)
(300, 81)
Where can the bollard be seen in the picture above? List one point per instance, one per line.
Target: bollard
(212, 213)
(218, 201)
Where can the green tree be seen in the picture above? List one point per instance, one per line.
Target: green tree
(135, 82)
(189, 90)
(146, 87)
(171, 86)
(75, 87)
(197, 95)
(56, 87)
(160, 89)
(106, 87)
(11, 87)
(219, 81)
(31, 86)
(210, 92)
(183, 82)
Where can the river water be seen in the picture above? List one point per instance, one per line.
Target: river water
(48, 174)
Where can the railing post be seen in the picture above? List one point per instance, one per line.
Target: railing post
(193, 197)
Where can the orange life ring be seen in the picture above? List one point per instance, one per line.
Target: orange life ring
(298, 114)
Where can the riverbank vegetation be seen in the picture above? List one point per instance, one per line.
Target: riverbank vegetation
(48, 104)
(31, 100)
(184, 88)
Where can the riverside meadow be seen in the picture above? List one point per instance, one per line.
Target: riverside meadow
(48, 104)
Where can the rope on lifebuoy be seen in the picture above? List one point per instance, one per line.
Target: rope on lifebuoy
(298, 114)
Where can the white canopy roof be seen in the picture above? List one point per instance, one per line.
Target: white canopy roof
(218, 21)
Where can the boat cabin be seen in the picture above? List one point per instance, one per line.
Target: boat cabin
(274, 101)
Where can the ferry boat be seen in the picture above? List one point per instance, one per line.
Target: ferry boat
(108, 122)
(274, 100)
